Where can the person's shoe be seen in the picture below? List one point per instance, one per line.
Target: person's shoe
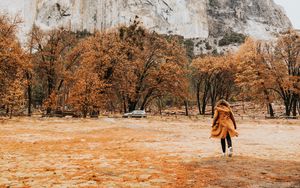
(230, 151)
(223, 154)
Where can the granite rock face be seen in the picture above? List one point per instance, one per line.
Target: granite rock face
(189, 18)
(257, 18)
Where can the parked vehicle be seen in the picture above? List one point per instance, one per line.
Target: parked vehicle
(135, 114)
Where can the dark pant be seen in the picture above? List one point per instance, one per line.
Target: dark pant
(224, 144)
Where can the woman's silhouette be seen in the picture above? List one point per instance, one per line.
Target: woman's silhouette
(224, 125)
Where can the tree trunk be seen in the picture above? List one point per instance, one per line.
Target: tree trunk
(28, 77)
(198, 98)
(84, 112)
(213, 98)
(203, 107)
(49, 86)
(131, 106)
(298, 101)
(146, 99)
(270, 107)
(213, 103)
(11, 112)
(48, 111)
(60, 85)
(29, 99)
(271, 111)
(85, 105)
(143, 106)
(160, 107)
(212, 108)
(7, 110)
(112, 107)
(294, 107)
(287, 111)
(243, 104)
(124, 104)
(287, 108)
(186, 104)
(205, 97)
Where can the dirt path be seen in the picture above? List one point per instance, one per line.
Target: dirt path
(146, 153)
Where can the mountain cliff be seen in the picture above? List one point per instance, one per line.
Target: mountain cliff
(189, 18)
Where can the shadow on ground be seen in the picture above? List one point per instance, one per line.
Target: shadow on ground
(241, 172)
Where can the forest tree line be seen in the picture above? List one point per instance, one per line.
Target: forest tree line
(130, 68)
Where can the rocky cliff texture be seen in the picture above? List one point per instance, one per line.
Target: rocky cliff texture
(258, 18)
(189, 18)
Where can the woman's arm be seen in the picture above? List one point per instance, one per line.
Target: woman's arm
(232, 118)
(216, 115)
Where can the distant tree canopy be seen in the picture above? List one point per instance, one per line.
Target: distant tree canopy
(13, 64)
(270, 71)
(123, 69)
(213, 76)
(232, 38)
(261, 72)
(137, 66)
(130, 67)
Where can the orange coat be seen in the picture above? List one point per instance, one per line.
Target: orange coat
(223, 123)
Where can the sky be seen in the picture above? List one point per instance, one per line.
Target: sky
(292, 10)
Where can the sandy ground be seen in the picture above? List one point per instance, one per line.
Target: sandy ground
(153, 152)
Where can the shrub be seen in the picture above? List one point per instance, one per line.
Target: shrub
(231, 38)
(208, 46)
(213, 3)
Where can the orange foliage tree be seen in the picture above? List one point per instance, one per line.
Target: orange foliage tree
(50, 60)
(14, 97)
(130, 68)
(157, 66)
(12, 65)
(254, 77)
(137, 66)
(265, 69)
(286, 71)
(213, 78)
(87, 91)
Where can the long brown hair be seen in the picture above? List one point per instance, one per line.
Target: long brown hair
(223, 102)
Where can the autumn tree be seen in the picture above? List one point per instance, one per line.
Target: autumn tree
(253, 72)
(265, 68)
(50, 59)
(222, 80)
(138, 66)
(14, 97)
(201, 80)
(87, 91)
(102, 50)
(12, 64)
(213, 79)
(286, 70)
(157, 66)
(28, 73)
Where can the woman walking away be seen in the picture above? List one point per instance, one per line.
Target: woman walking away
(224, 126)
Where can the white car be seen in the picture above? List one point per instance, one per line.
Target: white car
(135, 114)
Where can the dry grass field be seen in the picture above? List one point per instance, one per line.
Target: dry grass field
(152, 152)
